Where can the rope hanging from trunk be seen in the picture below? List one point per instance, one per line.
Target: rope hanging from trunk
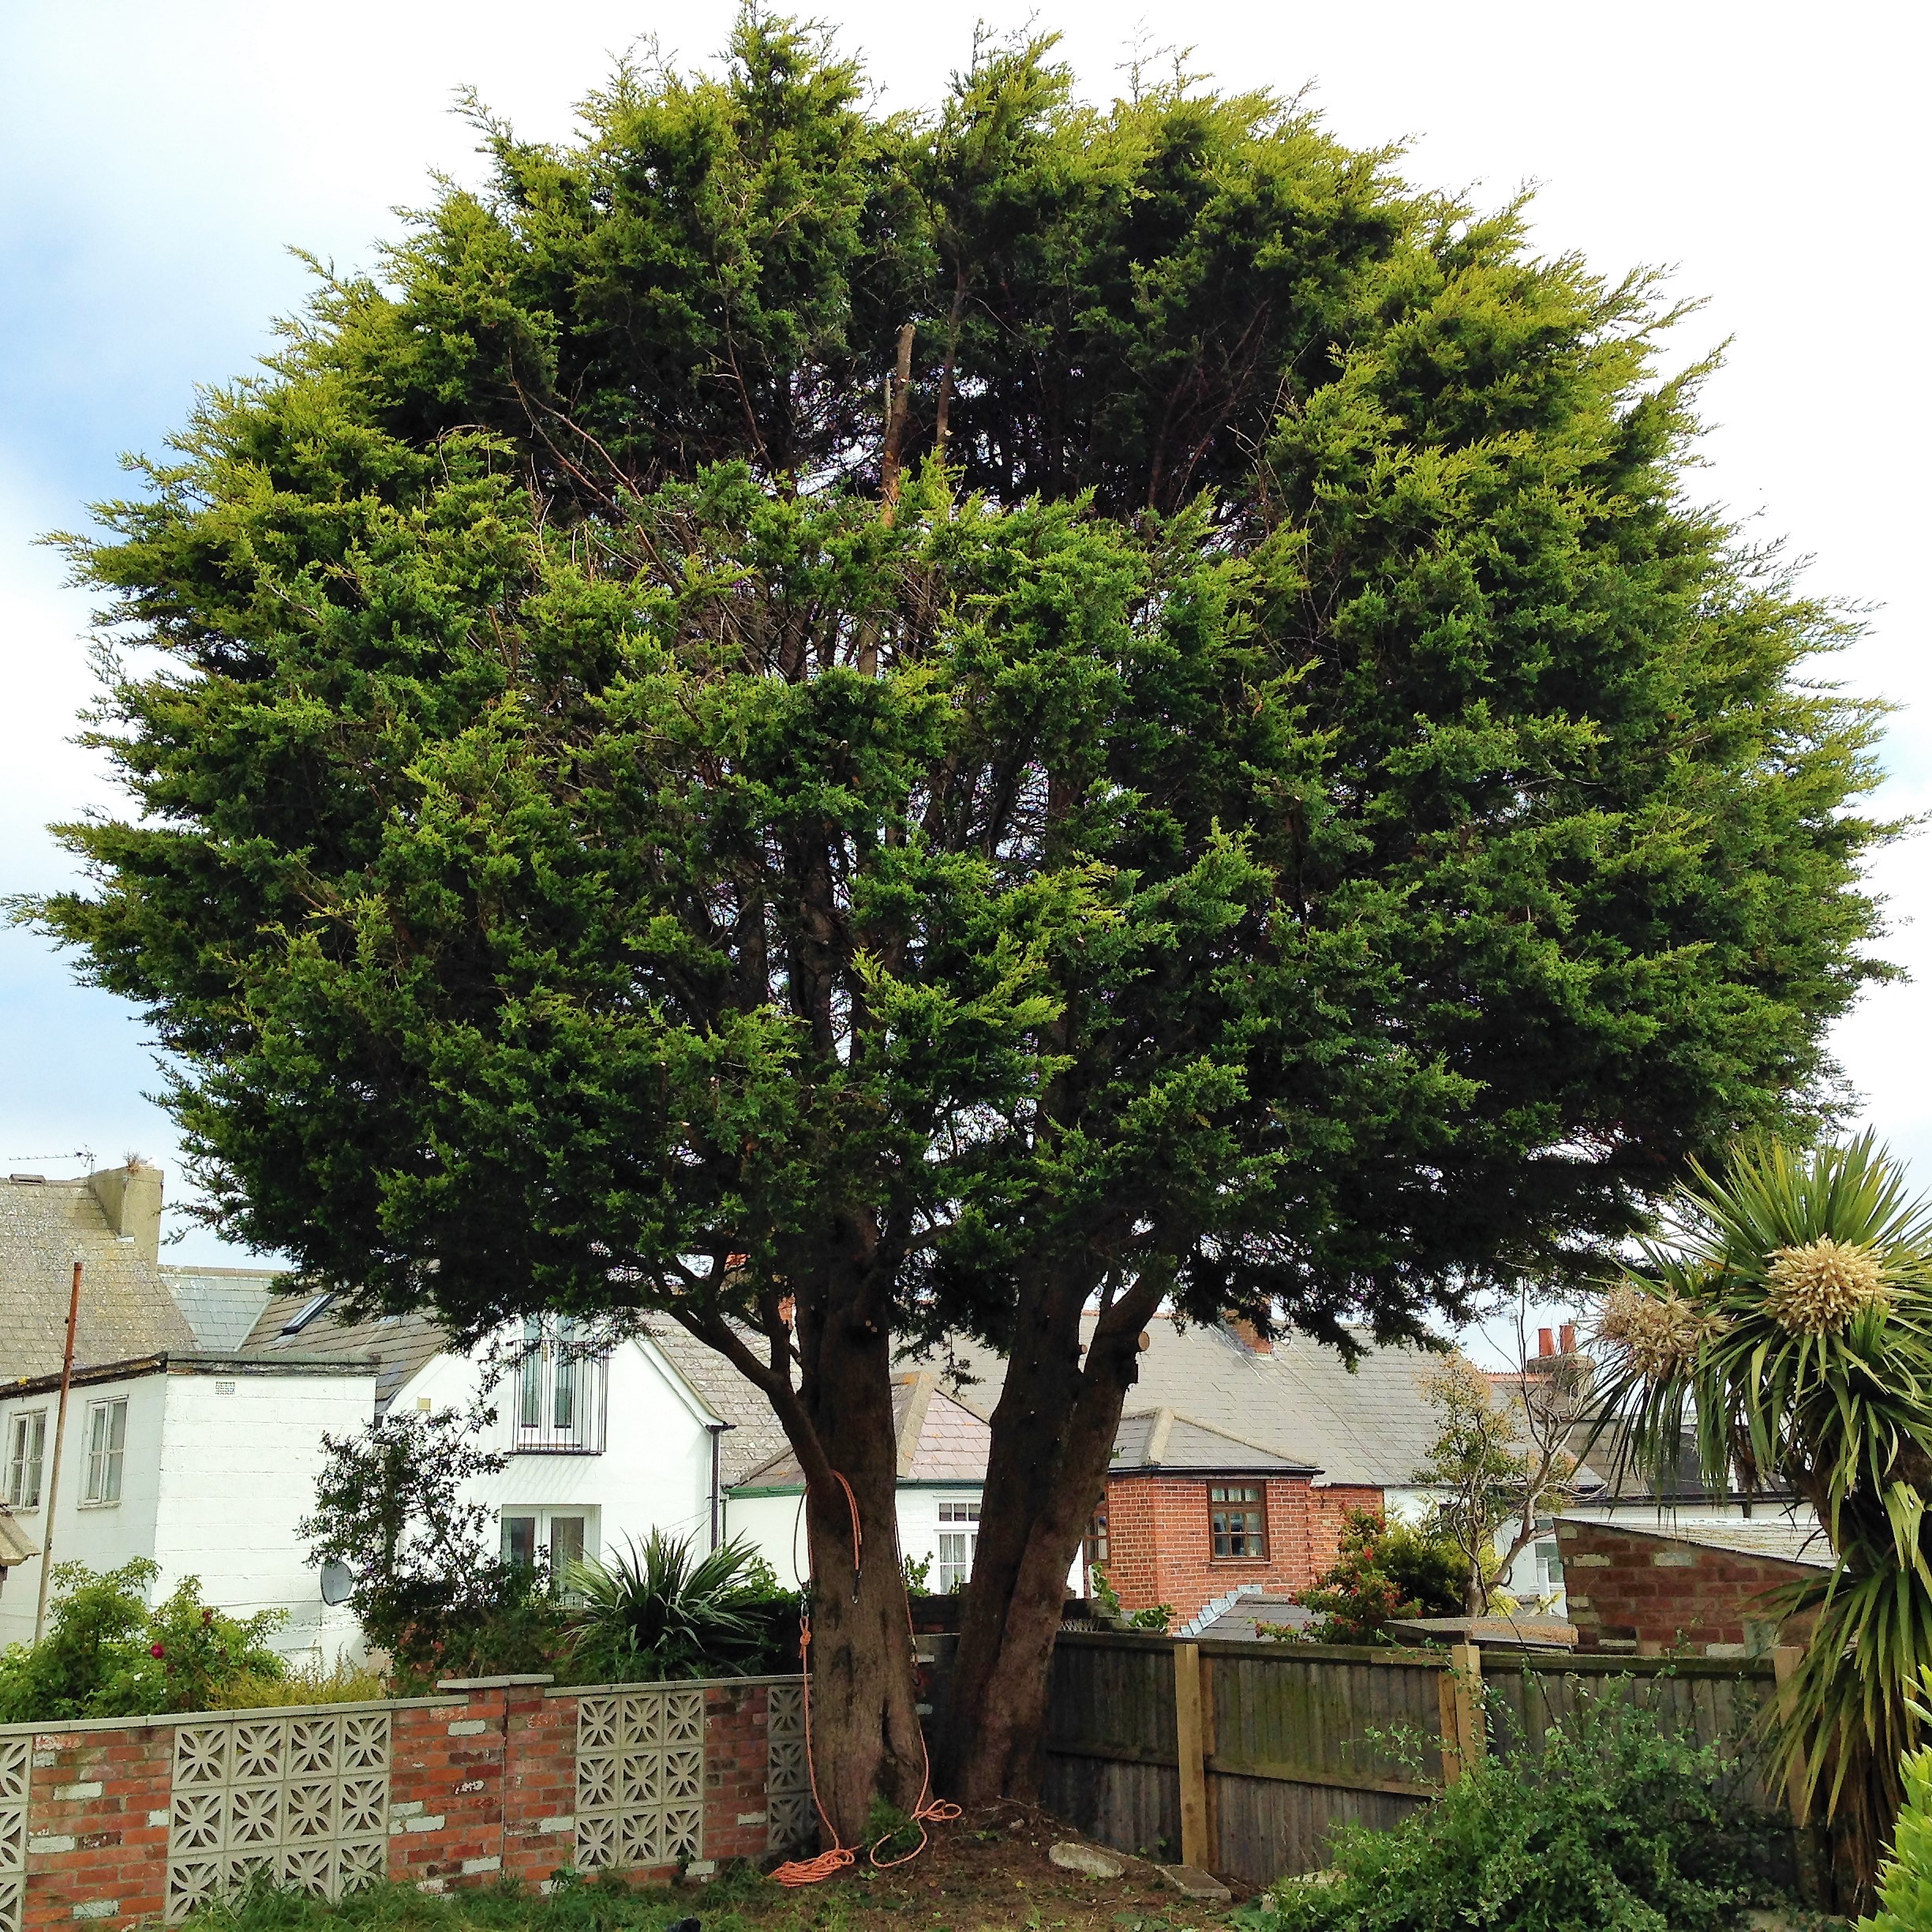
(929, 1810)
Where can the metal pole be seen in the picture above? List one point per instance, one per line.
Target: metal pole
(60, 1437)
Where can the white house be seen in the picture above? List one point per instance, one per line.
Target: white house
(204, 1464)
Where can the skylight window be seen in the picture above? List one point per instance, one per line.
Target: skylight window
(308, 1312)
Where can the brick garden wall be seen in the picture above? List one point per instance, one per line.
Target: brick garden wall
(1160, 1549)
(1649, 1592)
(482, 1782)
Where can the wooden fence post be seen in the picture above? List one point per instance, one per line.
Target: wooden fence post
(1191, 1750)
(1784, 1661)
(1459, 1691)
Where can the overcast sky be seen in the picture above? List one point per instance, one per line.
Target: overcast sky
(159, 162)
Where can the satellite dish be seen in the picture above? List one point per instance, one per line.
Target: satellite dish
(336, 1583)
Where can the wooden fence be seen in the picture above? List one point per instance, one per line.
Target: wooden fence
(1242, 1758)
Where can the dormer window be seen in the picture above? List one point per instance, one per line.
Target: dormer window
(560, 1383)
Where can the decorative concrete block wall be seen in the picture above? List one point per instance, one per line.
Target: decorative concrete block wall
(113, 1822)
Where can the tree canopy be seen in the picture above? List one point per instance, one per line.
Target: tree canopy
(849, 725)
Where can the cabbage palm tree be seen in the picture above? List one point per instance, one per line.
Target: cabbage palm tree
(1785, 1324)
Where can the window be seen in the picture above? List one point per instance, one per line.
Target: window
(959, 1536)
(1096, 1549)
(107, 1441)
(559, 1402)
(26, 1451)
(550, 1537)
(1237, 1520)
(1549, 1568)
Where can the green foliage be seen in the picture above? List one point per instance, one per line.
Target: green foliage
(918, 1575)
(428, 1582)
(106, 1654)
(1382, 1569)
(1837, 1401)
(1905, 1884)
(1490, 1465)
(341, 1683)
(1615, 1824)
(661, 1610)
(1268, 794)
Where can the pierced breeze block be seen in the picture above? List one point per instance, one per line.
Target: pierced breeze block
(787, 1779)
(16, 1761)
(640, 1778)
(302, 1801)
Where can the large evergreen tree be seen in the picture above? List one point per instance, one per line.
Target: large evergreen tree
(844, 727)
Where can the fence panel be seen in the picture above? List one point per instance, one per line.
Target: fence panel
(1299, 1738)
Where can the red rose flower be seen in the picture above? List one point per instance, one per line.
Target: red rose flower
(157, 1651)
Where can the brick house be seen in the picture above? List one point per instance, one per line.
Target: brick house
(1193, 1516)
(1696, 1586)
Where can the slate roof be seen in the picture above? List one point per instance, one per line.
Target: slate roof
(223, 1304)
(398, 1345)
(16, 1545)
(1162, 1439)
(755, 1435)
(125, 1310)
(940, 1440)
(1778, 1538)
(1236, 1621)
(1372, 1426)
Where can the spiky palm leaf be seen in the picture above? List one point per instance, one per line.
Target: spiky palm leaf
(658, 1610)
(1787, 1327)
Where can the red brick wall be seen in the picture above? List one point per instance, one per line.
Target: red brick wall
(481, 1782)
(1161, 1550)
(1629, 1590)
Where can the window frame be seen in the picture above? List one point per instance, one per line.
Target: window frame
(961, 1531)
(106, 1460)
(1247, 1500)
(19, 1426)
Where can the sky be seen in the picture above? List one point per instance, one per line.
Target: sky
(158, 163)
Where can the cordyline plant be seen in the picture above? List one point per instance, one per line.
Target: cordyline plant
(1786, 1327)
(924, 723)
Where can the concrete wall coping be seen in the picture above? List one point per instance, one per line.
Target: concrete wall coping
(675, 1684)
(160, 1721)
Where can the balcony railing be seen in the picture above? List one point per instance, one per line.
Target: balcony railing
(558, 1406)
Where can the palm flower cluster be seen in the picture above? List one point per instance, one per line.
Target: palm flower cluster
(1816, 1288)
(1659, 1335)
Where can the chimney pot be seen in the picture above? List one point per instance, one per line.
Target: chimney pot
(1569, 1337)
(1546, 1341)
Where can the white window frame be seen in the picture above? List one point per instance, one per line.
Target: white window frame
(557, 1402)
(106, 1452)
(959, 1542)
(29, 1426)
(544, 1514)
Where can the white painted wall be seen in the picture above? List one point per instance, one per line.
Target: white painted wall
(217, 1470)
(655, 1472)
(771, 1525)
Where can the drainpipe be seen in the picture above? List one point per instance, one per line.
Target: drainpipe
(718, 1488)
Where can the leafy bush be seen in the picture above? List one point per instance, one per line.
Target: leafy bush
(662, 1610)
(426, 1580)
(1616, 1825)
(1382, 1571)
(1905, 1883)
(343, 1682)
(106, 1654)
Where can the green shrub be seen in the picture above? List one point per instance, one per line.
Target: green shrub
(659, 1610)
(106, 1654)
(1616, 1824)
(344, 1682)
(1905, 1882)
(1382, 1571)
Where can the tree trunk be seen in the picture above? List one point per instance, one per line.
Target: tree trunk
(1052, 1437)
(865, 1731)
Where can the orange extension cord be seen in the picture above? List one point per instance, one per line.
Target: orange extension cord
(929, 1810)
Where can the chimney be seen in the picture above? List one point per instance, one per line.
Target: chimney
(130, 1197)
(1546, 1341)
(1248, 1335)
(1569, 1337)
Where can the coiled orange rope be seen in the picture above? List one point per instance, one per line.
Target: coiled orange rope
(929, 1810)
